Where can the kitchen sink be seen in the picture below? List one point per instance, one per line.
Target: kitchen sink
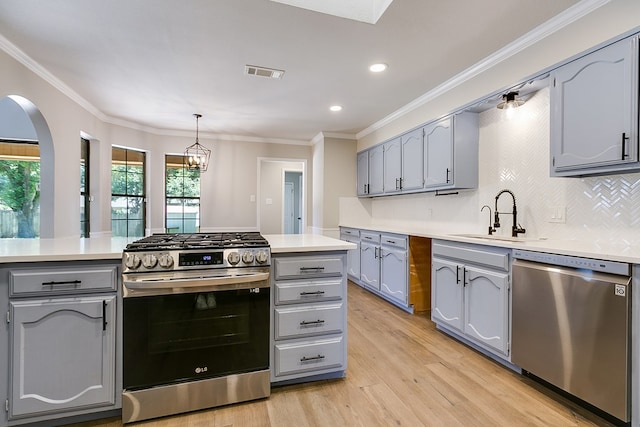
(499, 238)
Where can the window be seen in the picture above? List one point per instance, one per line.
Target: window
(128, 207)
(19, 189)
(84, 187)
(182, 196)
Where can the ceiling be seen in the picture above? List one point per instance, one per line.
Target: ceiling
(153, 63)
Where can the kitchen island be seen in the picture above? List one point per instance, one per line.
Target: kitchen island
(63, 304)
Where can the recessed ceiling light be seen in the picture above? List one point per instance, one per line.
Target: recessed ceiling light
(335, 108)
(378, 68)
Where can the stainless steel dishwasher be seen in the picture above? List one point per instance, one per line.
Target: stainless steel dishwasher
(571, 326)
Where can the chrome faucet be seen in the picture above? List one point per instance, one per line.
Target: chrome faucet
(515, 228)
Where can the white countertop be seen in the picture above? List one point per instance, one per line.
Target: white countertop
(95, 248)
(606, 249)
(281, 243)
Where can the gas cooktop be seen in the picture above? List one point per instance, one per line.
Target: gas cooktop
(198, 241)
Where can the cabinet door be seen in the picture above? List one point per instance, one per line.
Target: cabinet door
(393, 274)
(353, 260)
(446, 293)
(363, 173)
(486, 316)
(412, 160)
(376, 170)
(392, 166)
(62, 355)
(369, 265)
(438, 154)
(594, 109)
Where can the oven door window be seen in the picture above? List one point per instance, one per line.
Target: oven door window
(183, 337)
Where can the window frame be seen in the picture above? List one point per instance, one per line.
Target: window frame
(126, 195)
(85, 192)
(179, 159)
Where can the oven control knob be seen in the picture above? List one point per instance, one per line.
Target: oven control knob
(262, 257)
(233, 258)
(165, 261)
(247, 257)
(132, 261)
(149, 260)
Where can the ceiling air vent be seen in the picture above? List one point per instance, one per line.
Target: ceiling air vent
(254, 70)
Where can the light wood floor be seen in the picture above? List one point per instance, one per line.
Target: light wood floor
(401, 372)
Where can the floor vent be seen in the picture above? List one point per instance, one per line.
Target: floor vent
(254, 70)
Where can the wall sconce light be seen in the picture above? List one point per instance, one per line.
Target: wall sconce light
(197, 156)
(510, 100)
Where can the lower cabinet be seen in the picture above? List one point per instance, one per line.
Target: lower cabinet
(61, 341)
(309, 324)
(470, 293)
(353, 255)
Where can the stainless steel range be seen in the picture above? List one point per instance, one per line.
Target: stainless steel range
(195, 322)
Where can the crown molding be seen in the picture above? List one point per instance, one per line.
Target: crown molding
(554, 24)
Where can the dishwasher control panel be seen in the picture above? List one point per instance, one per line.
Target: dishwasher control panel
(611, 267)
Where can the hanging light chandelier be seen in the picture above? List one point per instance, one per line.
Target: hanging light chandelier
(197, 156)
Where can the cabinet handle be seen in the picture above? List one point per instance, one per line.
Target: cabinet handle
(624, 145)
(367, 188)
(104, 315)
(375, 253)
(68, 282)
(314, 293)
(307, 269)
(312, 323)
(464, 276)
(457, 274)
(391, 241)
(310, 359)
(400, 179)
(448, 171)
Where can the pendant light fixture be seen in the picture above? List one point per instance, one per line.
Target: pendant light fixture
(510, 100)
(197, 156)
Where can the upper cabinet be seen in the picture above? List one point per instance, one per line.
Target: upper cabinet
(442, 155)
(594, 112)
(451, 153)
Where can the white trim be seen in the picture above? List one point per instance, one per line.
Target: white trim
(322, 135)
(556, 23)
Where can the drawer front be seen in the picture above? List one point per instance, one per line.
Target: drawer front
(313, 266)
(469, 253)
(308, 356)
(42, 281)
(304, 321)
(308, 291)
(395, 240)
(367, 236)
(350, 231)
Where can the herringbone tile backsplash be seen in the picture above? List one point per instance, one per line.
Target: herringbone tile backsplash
(514, 154)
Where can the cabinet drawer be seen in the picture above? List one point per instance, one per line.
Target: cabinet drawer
(308, 356)
(301, 321)
(394, 240)
(313, 266)
(368, 236)
(61, 280)
(350, 231)
(308, 291)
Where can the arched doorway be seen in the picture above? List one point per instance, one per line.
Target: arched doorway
(20, 119)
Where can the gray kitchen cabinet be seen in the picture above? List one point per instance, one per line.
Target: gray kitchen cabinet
(376, 171)
(61, 341)
(594, 112)
(363, 173)
(394, 268)
(63, 354)
(369, 260)
(412, 160)
(470, 294)
(352, 235)
(392, 166)
(309, 322)
(451, 153)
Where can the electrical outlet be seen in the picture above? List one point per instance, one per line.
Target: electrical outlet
(558, 214)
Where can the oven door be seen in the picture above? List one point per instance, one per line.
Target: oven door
(194, 325)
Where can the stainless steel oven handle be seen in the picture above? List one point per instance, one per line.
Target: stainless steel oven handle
(202, 284)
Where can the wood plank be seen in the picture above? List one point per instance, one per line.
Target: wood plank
(420, 273)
